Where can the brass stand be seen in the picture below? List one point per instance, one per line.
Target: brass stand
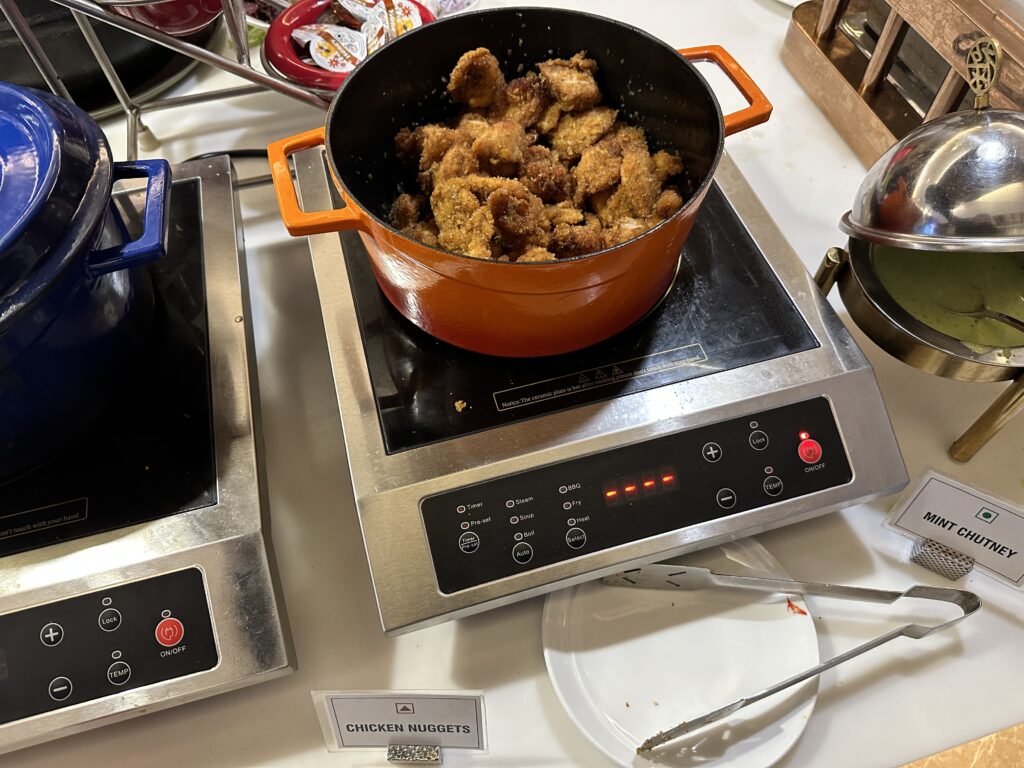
(1009, 404)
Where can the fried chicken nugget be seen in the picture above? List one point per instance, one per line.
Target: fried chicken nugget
(637, 192)
(464, 224)
(406, 210)
(436, 140)
(536, 253)
(499, 150)
(423, 231)
(563, 213)
(577, 131)
(666, 164)
(597, 170)
(518, 217)
(571, 81)
(544, 176)
(525, 100)
(477, 80)
(568, 241)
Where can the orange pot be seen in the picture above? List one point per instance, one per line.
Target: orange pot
(515, 309)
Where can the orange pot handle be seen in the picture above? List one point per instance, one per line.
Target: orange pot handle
(760, 108)
(296, 220)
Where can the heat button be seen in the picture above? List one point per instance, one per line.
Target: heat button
(809, 451)
(169, 632)
(119, 673)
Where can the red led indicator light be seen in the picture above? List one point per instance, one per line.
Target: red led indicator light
(629, 488)
(648, 483)
(611, 494)
(667, 478)
(804, 435)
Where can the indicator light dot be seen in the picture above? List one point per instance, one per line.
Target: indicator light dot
(667, 478)
(804, 435)
(648, 483)
(611, 494)
(629, 488)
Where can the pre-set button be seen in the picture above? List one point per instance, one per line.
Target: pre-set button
(469, 543)
(522, 553)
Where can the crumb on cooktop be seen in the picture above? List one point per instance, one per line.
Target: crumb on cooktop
(460, 405)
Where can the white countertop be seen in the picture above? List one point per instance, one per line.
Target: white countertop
(898, 703)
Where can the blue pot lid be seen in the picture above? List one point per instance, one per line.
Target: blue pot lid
(30, 141)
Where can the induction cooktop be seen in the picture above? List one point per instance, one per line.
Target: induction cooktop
(135, 564)
(739, 403)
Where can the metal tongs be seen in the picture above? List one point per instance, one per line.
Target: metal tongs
(662, 576)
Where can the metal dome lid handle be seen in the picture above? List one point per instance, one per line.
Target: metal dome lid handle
(984, 61)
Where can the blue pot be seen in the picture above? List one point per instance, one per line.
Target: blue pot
(81, 306)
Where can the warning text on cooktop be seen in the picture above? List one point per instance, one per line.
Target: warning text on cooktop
(595, 378)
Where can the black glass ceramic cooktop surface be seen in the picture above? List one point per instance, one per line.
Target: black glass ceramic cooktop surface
(151, 453)
(726, 310)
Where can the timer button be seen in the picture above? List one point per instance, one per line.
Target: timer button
(169, 632)
(469, 542)
(809, 451)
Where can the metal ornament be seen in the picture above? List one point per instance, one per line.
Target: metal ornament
(984, 60)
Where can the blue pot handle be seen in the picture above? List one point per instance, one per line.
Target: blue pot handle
(153, 242)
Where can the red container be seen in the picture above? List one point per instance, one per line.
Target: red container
(516, 309)
(175, 17)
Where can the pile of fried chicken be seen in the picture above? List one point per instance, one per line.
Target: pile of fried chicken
(534, 170)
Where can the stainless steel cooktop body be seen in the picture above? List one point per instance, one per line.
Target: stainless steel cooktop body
(103, 626)
(464, 523)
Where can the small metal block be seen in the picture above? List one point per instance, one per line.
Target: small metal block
(414, 754)
(943, 560)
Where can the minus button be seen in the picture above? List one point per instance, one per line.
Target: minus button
(726, 498)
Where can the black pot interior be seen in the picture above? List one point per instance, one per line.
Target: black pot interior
(404, 84)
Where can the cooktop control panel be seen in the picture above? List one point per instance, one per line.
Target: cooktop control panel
(502, 527)
(96, 645)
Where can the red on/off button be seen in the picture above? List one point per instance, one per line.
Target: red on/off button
(169, 632)
(810, 451)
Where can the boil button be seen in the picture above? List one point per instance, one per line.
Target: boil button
(522, 553)
(169, 632)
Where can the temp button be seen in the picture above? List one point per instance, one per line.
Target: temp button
(522, 553)
(772, 485)
(119, 673)
(169, 632)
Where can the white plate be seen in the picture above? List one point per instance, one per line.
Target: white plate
(627, 663)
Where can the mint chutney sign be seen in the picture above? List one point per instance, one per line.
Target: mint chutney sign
(988, 529)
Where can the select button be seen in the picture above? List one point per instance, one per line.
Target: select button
(119, 673)
(576, 538)
(109, 620)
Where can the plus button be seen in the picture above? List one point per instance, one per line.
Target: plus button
(51, 634)
(712, 452)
